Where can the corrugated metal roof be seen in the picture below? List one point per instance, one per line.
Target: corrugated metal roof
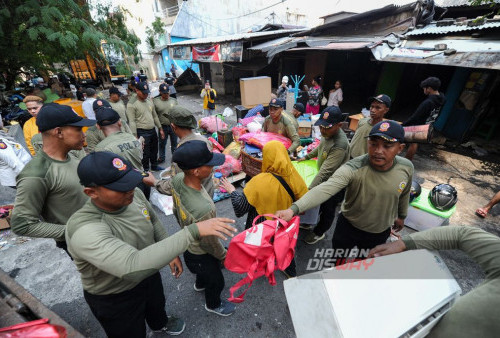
(468, 60)
(454, 3)
(433, 29)
(234, 37)
(337, 46)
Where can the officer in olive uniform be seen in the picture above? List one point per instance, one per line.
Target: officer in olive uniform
(279, 123)
(183, 122)
(143, 119)
(163, 104)
(332, 152)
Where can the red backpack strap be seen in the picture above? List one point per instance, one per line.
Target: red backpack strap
(251, 276)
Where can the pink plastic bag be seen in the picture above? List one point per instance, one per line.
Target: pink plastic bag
(256, 118)
(261, 138)
(313, 145)
(238, 131)
(212, 124)
(230, 166)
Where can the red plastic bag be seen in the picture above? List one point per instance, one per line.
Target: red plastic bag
(212, 124)
(261, 250)
(230, 166)
(36, 328)
(238, 131)
(216, 144)
(313, 145)
(261, 138)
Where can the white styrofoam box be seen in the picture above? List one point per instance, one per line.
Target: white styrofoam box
(388, 296)
(420, 220)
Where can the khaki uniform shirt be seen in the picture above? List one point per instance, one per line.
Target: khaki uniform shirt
(120, 108)
(191, 206)
(142, 115)
(373, 199)
(115, 251)
(163, 107)
(359, 145)
(331, 153)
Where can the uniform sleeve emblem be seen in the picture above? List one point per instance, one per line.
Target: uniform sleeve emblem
(145, 213)
(325, 115)
(401, 187)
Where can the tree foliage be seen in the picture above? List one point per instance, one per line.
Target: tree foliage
(35, 34)
(157, 28)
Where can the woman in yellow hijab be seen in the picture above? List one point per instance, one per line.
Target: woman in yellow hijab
(264, 193)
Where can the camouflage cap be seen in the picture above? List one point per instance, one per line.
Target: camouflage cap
(182, 117)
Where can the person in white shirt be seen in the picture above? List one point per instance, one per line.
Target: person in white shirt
(335, 97)
(89, 101)
(13, 158)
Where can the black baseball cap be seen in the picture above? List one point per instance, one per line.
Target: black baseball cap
(194, 154)
(276, 103)
(382, 98)
(164, 88)
(114, 90)
(143, 87)
(300, 107)
(100, 103)
(182, 117)
(389, 130)
(106, 116)
(330, 116)
(108, 170)
(53, 115)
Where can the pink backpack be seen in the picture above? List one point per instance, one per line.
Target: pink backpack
(261, 250)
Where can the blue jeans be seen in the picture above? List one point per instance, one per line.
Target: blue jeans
(150, 147)
(163, 142)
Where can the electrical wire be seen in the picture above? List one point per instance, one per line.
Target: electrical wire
(257, 11)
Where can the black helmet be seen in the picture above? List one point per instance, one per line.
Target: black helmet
(443, 197)
(415, 190)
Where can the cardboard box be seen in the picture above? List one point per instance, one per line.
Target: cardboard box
(255, 90)
(353, 125)
(4, 223)
(305, 128)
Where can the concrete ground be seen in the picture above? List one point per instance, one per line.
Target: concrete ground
(48, 273)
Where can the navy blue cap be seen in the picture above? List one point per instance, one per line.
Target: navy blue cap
(53, 115)
(99, 103)
(300, 107)
(195, 154)
(106, 116)
(108, 170)
(330, 116)
(382, 98)
(164, 88)
(143, 87)
(389, 130)
(276, 103)
(114, 90)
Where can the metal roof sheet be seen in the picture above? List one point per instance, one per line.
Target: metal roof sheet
(234, 37)
(433, 29)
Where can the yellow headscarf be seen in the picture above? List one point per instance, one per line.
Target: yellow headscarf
(264, 191)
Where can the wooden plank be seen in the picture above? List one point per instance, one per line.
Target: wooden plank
(35, 305)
